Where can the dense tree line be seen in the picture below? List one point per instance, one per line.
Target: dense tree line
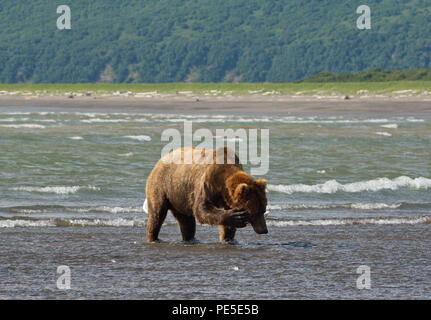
(208, 40)
(376, 75)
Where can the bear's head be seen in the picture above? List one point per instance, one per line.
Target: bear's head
(249, 195)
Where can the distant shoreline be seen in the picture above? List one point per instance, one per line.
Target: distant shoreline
(241, 104)
(386, 88)
(404, 97)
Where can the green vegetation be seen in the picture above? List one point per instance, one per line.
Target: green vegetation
(158, 41)
(376, 75)
(303, 88)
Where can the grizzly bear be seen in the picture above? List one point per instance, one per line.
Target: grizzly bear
(211, 187)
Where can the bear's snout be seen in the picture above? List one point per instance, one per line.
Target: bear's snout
(259, 224)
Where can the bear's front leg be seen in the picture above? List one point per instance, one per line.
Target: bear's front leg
(227, 234)
(207, 213)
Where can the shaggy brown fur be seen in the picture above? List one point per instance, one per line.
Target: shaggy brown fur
(215, 194)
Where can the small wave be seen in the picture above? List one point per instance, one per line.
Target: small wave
(35, 209)
(13, 119)
(98, 120)
(139, 138)
(374, 206)
(119, 222)
(76, 138)
(390, 126)
(386, 134)
(415, 120)
(332, 186)
(341, 120)
(56, 189)
(352, 221)
(107, 209)
(130, 154)
(356, 206)
(26, 119)
(287, 119)
(233, 139)
(45, 120)
(12, 223)
(23, 126)
(278, 207)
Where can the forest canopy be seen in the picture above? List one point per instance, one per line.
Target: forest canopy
(155, 41)
(376, 75)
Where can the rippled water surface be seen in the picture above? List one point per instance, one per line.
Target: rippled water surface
(343, 191)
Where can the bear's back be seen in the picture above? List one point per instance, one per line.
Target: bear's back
(180, 174)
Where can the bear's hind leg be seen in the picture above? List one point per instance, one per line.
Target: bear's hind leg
(187, 225)
(157, 211)
(227, 234)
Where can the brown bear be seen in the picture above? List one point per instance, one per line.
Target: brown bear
(212, 188)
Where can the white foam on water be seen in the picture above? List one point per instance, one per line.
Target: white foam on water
(118, 222)
(332, 186)
(356, 206)
(16, 113)
(121, 222)
(386, 134)
(11, 223)
(63, 190)
(415, 120)
(119, 117)
(50, 209)
(130, 154)
(337, 121)
(286, 119)
(98, 120)
(23, 126)
(278, 207)
(139, 138)
(107, 209)
(76, 138)
(234, 139)
(290, 120)
(352, 221)
(44, 120)
(374, 206)
(13, 119)
(390, 126)
(195, 120)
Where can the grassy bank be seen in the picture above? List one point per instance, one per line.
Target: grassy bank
(305, 88)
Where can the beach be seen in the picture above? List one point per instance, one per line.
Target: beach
(292, 263)
(190, 103)
(349, 185)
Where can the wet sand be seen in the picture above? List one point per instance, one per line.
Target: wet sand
(294, 263)
(235, 104)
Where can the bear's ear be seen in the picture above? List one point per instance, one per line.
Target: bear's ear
(261, 183)
(241, 191)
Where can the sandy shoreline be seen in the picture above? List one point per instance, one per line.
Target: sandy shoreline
(234, 104)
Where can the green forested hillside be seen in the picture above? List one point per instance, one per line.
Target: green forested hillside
(376, 75)
(208, 40)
